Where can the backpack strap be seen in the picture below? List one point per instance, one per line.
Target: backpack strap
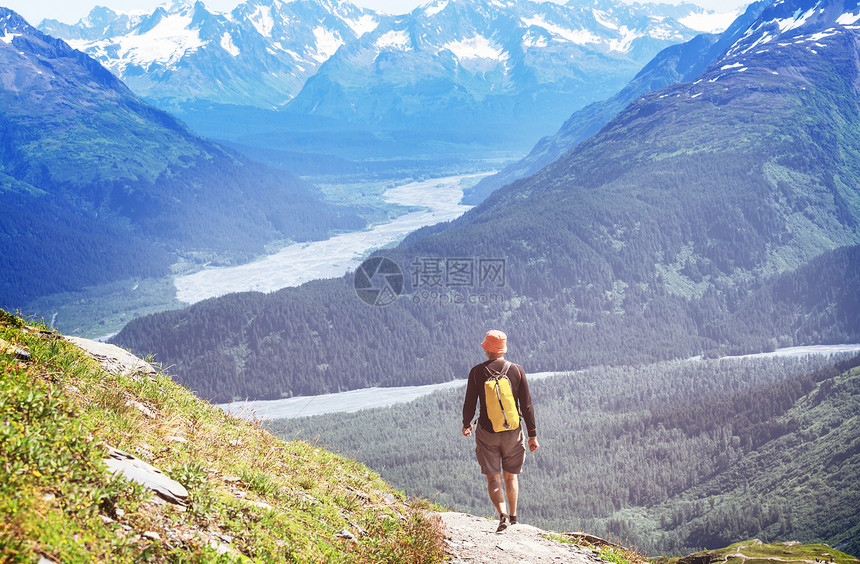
(504, 371)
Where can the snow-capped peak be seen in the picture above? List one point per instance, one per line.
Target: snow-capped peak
(795, 20)
(177, 6)
(710, 22)
(432, 8)
(267, 49)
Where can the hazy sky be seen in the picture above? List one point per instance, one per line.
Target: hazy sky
(70, 11)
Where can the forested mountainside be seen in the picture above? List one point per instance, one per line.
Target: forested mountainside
(677, 63)
(670, 458)
(625, 250)
(817, 303)
(259, 346)
(99, 186)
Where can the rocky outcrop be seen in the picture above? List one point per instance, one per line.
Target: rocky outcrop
(147, 475)
(112, 358)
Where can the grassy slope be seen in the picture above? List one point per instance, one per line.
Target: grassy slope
(284, 502)
(755, 552)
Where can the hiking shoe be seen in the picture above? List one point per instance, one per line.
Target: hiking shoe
(503, 523)
(512, 519)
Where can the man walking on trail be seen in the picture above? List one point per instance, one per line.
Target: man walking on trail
(500, 451)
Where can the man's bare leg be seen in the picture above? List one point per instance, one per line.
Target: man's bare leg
(512, 487)
(497, 495)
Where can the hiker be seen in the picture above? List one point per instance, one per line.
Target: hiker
(499, 440)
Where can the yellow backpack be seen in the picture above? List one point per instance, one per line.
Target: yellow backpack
(500, 401)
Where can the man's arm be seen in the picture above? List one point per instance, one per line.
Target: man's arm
(524, 397)
(469, 404)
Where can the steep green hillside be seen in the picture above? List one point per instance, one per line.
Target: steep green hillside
(252, 497)
(757, 551)
(669, 458)
(99, 186)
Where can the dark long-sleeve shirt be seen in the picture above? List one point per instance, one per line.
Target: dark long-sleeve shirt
(479, 374)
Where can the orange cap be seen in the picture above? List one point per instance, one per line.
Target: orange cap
(495, 342)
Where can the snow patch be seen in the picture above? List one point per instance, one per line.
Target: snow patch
(822, 34)
(398, 39)
(8, 37)
(478, 47)
(262, 20)
(731, 66)
(603, 19)
(765, 38)
(579, 37)
(847, 19)
(627, 37)
(166, 43)
(327, 43)
(794, 22)
(433, 9)
(364, 24)
(665, 33)
(709, 22)
(227, 44)
(533, 40)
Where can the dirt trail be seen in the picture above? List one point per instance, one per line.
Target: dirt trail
(474, 540)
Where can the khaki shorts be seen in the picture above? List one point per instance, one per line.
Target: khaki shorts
(507, 447)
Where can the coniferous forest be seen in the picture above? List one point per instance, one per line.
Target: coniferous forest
(256, 346)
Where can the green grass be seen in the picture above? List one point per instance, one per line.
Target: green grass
(747, 552)
(755, 552)
(252, 496)
(104, 309)
(606, 551)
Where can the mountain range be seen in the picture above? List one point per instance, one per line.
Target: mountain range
(634, 246)
(677, 63)
(100, 186)
(447, 75)
(260, 54)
